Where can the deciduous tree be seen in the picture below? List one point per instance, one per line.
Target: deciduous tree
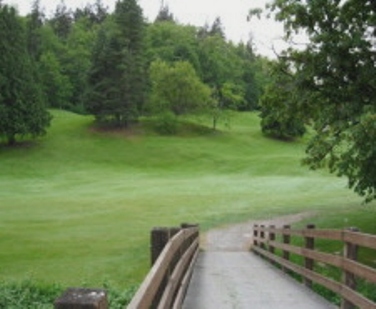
(335, 78)
(177, 88)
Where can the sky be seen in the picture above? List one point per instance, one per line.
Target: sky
(265, 33)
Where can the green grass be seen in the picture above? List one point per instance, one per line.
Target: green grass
(77, 206)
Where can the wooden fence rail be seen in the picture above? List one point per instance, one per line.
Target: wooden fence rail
(265, 244)
(174, 252)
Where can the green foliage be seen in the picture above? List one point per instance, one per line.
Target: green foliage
(336, 84)
(170, 42)
(56, 85)
(34, 24)
(62, 21)
(279, 118)
(95, 13)
(166, 123)
(76, 59)
(117, 76)
(28, 295)
(176, 88)
(118, 298)
(164, 14)
(22, 110)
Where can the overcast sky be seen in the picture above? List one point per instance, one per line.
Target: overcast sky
(233, 14)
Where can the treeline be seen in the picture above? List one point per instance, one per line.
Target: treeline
(118, 67)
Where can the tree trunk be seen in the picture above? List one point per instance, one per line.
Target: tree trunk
(11, 139)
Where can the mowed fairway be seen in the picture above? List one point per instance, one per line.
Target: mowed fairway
(77, 206)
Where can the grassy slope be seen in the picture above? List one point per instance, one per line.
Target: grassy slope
(78, 207)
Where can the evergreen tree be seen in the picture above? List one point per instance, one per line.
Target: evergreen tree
(117, 77)
(217, 28)
(34, 24)
(22, 111)
(249, 81)
(62, 21)
(95, 13)
(164, 14)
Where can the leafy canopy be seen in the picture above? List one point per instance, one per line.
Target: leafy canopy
(177, 88)
(335, 79)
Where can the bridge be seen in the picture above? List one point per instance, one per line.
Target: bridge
(226, 274)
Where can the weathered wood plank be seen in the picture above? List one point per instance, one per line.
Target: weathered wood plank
(176, 277)
(360, 239)
(185, 282)
(149, 287)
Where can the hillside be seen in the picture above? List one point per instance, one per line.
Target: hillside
(77, 206)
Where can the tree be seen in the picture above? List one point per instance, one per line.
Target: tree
(335, 80)
(250, 83)
(171, 42)
(177, 88)
(62, 21)
(34, 24)
(164, 14)
(94, 13)
(217, 28)
(76, 60)
(22, 111)
(117, 76)
(278, 117)
(56, 86)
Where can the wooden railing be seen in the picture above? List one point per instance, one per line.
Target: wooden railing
(266, 242)
(174, 252)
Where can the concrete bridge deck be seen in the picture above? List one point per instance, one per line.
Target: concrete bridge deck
(242, 280)
(228, 276)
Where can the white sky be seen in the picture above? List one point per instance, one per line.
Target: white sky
(233, 14)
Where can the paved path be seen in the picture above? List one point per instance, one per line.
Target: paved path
(242, 280)
(230, 277)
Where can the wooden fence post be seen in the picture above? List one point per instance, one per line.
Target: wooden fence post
(286, 240)
(159, 237)
(271, 237)
(79, 298)
(262, 237)
(255, 235)
(350, 252)
(309, 263)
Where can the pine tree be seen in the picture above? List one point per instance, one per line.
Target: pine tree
(22, 111)
(217, 28)
(117, 77)
(164, 14)
(62, 21)
(34, 24)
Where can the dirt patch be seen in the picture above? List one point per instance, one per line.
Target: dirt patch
(238, 237)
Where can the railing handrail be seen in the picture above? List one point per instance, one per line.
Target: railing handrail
(265, 244)
(172, 268)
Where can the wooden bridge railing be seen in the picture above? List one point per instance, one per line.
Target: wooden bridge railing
(174, 252)
(265, 244)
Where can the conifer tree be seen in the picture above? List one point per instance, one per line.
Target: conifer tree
(34, 24)
(117, 76)
(22, 111)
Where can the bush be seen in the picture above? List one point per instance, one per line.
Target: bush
(166, 123)
(28, 295)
